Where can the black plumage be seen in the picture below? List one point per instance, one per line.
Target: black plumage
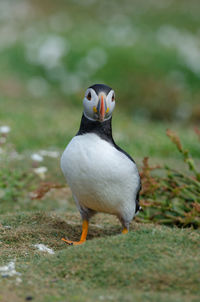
(101, 88)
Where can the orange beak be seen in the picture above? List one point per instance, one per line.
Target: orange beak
(102, 109)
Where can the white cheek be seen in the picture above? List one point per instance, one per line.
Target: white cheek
(111, 106)
(88, 107)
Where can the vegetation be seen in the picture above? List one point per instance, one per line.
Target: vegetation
(172, 198)
(50, 52)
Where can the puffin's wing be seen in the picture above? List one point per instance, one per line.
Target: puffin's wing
(137, 200)
(121, 150)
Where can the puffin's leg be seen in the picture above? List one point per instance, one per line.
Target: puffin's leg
(83, 235)
(125, 225)
(86, 214)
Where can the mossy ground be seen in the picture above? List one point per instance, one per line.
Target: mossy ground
(156, 88)
(151, 263)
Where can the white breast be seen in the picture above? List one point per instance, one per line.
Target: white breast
(101, 177)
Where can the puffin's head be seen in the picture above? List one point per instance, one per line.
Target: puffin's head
(99, 102)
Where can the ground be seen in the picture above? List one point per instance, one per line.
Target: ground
(152, 62)
(151, 263)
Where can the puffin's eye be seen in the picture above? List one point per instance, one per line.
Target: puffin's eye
(113, 97)
(89, 96)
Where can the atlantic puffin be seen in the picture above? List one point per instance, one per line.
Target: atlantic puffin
(102, 176)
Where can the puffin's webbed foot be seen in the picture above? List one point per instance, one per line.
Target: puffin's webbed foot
(124, 231)
(69, 242)
(83, 235)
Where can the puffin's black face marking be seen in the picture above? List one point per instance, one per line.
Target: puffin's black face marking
(101, 88)
(113, 97)
(89, 96)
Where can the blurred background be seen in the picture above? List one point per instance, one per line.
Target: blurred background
(148, 51)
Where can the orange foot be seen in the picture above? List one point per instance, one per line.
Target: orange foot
(125, 231)
(69, 242)
(83, 235)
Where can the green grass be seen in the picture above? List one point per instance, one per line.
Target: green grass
(151, 263)
(155, 88)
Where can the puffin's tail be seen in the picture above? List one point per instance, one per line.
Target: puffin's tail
(138, 208)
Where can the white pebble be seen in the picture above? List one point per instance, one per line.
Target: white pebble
(4, 129)
(9, 270)
(44, 248)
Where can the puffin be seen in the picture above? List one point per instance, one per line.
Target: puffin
(102, 176)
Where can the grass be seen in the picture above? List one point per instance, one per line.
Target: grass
(157, 87)
(151, 263)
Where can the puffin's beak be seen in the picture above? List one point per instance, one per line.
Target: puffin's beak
(102, 108)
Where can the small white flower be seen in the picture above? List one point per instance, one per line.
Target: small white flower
(9, 270)
(44, 248)
(53, 154)
(4, 129)
(41, 171)
(36, 157)
(186, 44)
(52, 50)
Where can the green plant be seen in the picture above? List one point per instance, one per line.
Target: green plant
(171, 197)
